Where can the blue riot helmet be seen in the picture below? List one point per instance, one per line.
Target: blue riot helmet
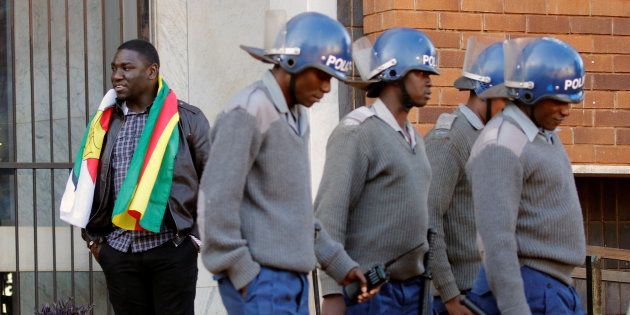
(483, 65)
(543, 68)
(394, 53)
(309, 40)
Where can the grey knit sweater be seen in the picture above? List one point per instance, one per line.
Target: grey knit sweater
(526, 209)
(373, 196)
(455, 259)
(257, 196)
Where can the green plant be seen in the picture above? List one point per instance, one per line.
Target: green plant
(64, 307)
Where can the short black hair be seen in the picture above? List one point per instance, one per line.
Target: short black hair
(144, 48)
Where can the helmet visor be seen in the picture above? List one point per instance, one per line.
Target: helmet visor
(276, 33)
(472, 65)
(515, 71)
(366, 61)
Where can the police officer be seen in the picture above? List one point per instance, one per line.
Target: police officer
(455, 257)
(259, 238)
(527, 211)
(373, 194)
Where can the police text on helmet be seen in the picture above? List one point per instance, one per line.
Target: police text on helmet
(574, 84)
(339, 64)
(428, 60)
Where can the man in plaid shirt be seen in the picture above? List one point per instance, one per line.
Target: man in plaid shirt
(147, 272)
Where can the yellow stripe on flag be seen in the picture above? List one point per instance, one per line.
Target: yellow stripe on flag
(94, 141)
(141, 196)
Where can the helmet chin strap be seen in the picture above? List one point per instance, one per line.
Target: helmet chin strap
(406, 100)
(292, 89)
(488, 110)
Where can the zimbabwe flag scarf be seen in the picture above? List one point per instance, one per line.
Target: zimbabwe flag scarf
(142, 199)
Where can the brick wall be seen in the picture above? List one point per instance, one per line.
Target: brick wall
(598, 130)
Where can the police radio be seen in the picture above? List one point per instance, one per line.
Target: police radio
(375, 276)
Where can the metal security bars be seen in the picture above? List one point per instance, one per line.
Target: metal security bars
(54, 69)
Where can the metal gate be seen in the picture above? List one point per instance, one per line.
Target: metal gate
(54, 68)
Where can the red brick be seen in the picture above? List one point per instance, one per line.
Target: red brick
(383, 5)
(566, 135)
(373, 23)
(423, 129)
(520, 6)
(438, 5)
(435, 97)
(451, 58)
(622, 99)
(579, 117)
(403, 4)
(609, 44)
(446, 77)
(621, 26)
(451, 96)
(547, 24)
(445, 39)
(413, 115)
(623, 136)
(460, 21)
(611, 81)
(501, 22)
(621, 63)
(429, 114)
(581, 43)
(610, 7)
(598, 63)
(599, 99)
(568, 7)
(612, 118)
(580, 153)
(467, 35)
(591, 25)
(608, 154)
(482, 5)
(413, 19)
(368, 7)
(595, 135)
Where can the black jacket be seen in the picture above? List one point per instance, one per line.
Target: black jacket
(192, 153)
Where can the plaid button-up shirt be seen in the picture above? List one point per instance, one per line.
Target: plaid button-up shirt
(124, 148)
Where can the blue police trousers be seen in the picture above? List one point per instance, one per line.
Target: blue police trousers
(395, 297)
(545, 294)
(273, 291)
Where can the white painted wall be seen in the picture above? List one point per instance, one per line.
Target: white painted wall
(198, 44)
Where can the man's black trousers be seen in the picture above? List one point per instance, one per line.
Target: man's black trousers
(161, 280)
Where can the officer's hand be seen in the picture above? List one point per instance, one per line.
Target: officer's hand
(333, 304)
(243, 291)
(356, 274)
(455, 307)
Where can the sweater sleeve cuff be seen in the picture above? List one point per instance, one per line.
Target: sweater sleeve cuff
(331, 255)
(448, 291)
(329, 285)
(243, 271)
(340, 265)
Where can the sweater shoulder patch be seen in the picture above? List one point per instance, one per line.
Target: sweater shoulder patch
(445, 121)
(511, 137)
(357, 116)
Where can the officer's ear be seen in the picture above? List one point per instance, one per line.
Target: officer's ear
(153, 71)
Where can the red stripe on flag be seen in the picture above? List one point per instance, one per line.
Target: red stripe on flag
(92, 168)
(136, 215)
(105, 118)
(169, 109)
